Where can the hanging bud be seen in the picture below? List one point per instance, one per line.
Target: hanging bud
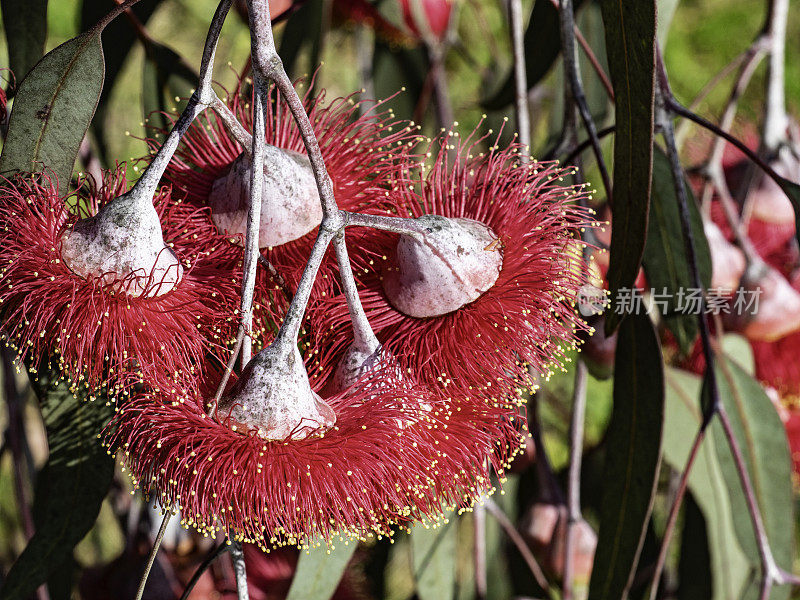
(290, 206)
(450, 265)
(356, 362)
(544, 527)
(123, 246)
(273, 397)
(727, 261)
(427, 15)
(777, 312)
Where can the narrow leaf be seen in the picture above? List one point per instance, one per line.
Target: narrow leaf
(53, 109)
(25, 25)
(632, 458)
(69, 489)
(434, 554)
(542, 48)
(665, 260)
(729, 565)
(319, 572)
(694, 566)
(630, 47)
(762, 440)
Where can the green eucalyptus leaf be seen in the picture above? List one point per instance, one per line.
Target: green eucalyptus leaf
(433, 551)
(665, 261)
(630, 47)
(762, 439)
(54, 107)
(730, 567)
(319, 572)
(632, 460)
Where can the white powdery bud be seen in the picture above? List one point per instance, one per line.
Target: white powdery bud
(290, 205)
(123, 245)
(274, 397)
(355, 363)
(450, 265)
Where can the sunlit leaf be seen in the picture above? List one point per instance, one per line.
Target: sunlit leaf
(762, 440)
(54, 107)
(433, 553)
(319, 572)
(729, 566)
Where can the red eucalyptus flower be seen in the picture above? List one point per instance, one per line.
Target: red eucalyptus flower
(516, 299)
(359, 152)
(436, 15)
(396, 454)
(99, 333)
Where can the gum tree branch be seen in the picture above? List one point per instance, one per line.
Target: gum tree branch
(570, 54)
(268, 66)
(770, 571)
(775, 119)
(153, 552)
(574, 475)
(519, 543)
(212, 556)
(514, 8)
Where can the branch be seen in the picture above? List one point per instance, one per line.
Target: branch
(574, 482)
(520, 76)
(268, 65)
(212, 556)
(520, 544)
(237, 555)
(672, 519)
(153, 551)
(567, 21)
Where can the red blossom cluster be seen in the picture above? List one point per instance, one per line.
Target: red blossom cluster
(420, 427)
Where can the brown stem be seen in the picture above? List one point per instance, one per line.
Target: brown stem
(574, 482)
(672, 519)
(520, 544)
(152, 556)
(479, 552)
(514, 8)
(572, 72)
(212, 556)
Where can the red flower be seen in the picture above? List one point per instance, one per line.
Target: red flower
(525, 319)
(435, 12)
(96, 331)
(359, 149)
(395, 455)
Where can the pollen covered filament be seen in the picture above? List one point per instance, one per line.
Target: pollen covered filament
(290, 206)
(450, 265)
(123, 246)
(273, 397)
